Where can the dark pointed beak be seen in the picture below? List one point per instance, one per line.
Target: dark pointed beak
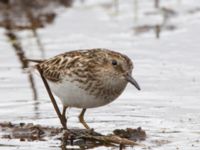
(130, 79)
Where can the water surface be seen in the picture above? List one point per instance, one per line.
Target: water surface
(167, 69)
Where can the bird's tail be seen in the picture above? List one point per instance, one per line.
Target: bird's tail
(32, 68)
(35, 60)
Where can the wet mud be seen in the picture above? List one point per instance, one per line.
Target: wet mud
(83, 138)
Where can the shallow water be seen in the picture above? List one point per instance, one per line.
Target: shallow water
(167, 70)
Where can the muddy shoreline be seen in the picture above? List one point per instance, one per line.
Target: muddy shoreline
(73, 137)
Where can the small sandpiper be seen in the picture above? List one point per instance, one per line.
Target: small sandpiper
(86, 78)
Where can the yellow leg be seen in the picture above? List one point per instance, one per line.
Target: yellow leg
(81, 119)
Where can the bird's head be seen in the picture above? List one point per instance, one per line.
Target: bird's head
(118, 68)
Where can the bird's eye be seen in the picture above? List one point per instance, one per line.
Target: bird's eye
(114, 62)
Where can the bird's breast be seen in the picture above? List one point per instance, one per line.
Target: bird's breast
(85, 92)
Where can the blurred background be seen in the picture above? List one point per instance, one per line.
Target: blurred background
(162, 37)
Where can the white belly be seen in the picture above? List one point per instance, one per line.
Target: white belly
(71, 95)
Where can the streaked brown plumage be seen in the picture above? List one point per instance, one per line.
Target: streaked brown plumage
(88, 78)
